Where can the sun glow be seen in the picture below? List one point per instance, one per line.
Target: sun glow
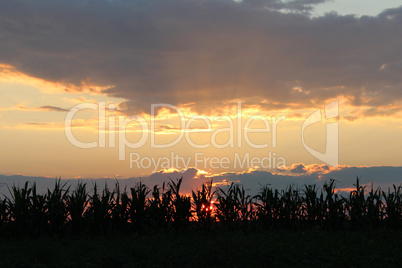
(10, 74)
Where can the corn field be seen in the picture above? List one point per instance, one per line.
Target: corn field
(141, 209)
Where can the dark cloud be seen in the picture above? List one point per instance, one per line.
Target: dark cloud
(345, 177)
(299, 169)
(292, 5)
(206, 51)
(380, 176)
(44, 108)
(53, 108)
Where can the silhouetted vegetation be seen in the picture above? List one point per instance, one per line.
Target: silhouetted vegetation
(140, 209)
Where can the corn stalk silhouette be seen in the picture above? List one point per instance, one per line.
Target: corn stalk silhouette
(203, 206)
(57, 211)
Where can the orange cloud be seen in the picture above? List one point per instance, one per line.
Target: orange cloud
(10, 74)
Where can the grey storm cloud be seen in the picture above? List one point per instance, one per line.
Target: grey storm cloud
(382, 176)
(300, 168)
(206, 51)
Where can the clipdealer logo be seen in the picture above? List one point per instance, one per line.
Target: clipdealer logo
(237, 131)
(331, 155)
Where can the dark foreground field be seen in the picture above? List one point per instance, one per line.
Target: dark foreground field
(381, 248)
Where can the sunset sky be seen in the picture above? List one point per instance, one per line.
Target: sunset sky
(232, 80)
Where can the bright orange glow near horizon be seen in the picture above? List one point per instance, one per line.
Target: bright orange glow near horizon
(207, 131)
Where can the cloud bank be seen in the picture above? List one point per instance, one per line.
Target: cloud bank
(382, 176)
(207, 52)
